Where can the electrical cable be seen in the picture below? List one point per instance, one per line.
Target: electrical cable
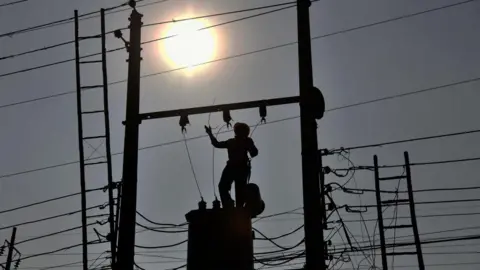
(422, 202)
(280, 236)
(161, 224)
(160, 231)
(422, 216)
(213, 160)
(49, 218)
(12, 3)
(146, 25)
(288, 44)
(144, 42)
(52, 234)
(406, 140)
(140, 149)
(415, 191)
(46, 201)
(134, 263)
(412, 164)
(165, 246)
(60, 249)
(241, 55)
(179, 267)
(270, 240)
(55, 23)
(191, 166)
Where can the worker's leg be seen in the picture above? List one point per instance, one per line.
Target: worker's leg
(241, 179)
(225, 185)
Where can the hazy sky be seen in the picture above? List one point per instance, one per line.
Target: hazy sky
(411, 54)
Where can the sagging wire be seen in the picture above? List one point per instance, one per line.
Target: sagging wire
(213, 161)
(213, 157)
(191, 166)
(346, 156)
(345, 228)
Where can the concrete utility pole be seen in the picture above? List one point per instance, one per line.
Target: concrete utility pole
(11, 247)
(126, 245)
(313, 210)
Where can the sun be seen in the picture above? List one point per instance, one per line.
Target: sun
(189, 44)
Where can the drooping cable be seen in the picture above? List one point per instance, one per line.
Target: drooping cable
(165, 246)
(159, 223)
(213, 162)
(191, 166)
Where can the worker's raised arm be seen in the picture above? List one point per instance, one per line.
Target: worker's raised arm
(252, 149)
(215, 142)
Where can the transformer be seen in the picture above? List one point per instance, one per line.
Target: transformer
(220, 239)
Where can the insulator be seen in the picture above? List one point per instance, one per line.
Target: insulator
(263, 112)
(327, 170)
(17, 264)
(132, 3)
(184, 122)
(328, 188)
(2, 250)
(118, 33)
(227, 118)
(202, 205)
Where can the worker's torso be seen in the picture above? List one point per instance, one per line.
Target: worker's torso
(238, 151)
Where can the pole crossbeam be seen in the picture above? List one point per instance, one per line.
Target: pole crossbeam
(221, 107)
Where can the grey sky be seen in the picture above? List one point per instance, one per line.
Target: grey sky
(411, 54)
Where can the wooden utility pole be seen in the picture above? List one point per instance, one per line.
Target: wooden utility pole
(126, 244)
(313, 211)
(11, 247)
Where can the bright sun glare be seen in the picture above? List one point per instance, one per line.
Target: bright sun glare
(191, 46)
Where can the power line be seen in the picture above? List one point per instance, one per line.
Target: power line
(13, 3)
(423, 202)
(158, 230)
(61, 249)
(53, 234)
(160, 224)
(46, 201)
(140, 149)
(415, 191)
(203, 136)
(191, 166)
(54, 23)
(445, 135)
(165, 246)
(450, 161)
(147, 25)
(317, 37)
(49, 218)
(263, 50)
(122, 48)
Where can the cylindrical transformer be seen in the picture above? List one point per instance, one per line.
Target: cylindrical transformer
(220, 239)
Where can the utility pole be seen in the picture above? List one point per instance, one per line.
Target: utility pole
(11, 247)
(312, 199)
(126, 245)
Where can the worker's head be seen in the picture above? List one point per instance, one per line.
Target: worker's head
(241, 130)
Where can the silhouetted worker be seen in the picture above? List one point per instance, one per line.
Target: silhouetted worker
(238, 164)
